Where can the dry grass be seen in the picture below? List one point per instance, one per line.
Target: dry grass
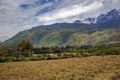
(116, 76)
(89, 68)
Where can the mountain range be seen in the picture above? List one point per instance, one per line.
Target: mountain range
(105, 29)
(111, 18)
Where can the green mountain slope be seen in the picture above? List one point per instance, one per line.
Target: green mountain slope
(96, 38)
(67, 34)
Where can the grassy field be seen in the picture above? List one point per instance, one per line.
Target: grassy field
(88, 68)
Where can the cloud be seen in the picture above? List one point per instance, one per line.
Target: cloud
(70, 11)
(19, 15)
(13, 17)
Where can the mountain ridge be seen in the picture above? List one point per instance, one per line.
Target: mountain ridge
(74, 34)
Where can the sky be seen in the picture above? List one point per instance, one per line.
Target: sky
(19, 15)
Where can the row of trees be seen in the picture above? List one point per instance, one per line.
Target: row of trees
(25, 50)
(63, 49)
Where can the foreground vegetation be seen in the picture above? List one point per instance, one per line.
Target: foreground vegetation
(88, 68)
(86, 62)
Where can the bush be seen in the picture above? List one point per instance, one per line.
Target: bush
(3, 59)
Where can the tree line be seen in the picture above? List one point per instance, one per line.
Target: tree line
(26, 51)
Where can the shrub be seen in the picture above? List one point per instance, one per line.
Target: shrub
(3, 59)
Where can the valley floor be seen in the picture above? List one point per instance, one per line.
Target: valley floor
(88, 68)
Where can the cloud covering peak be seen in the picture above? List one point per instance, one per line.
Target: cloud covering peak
(19, 15)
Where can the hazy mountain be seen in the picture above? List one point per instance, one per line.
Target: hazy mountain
(77, 22)
(113, 15)
(110, 19)
(90, 20)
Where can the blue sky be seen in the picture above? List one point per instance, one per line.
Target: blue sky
(19, 15)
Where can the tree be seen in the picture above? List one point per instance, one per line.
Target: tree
(3, 51)
(25, 48)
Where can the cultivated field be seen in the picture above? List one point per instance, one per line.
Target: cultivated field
(88, 68)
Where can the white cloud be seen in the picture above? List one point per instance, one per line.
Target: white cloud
(14, 19)
(70, 11)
